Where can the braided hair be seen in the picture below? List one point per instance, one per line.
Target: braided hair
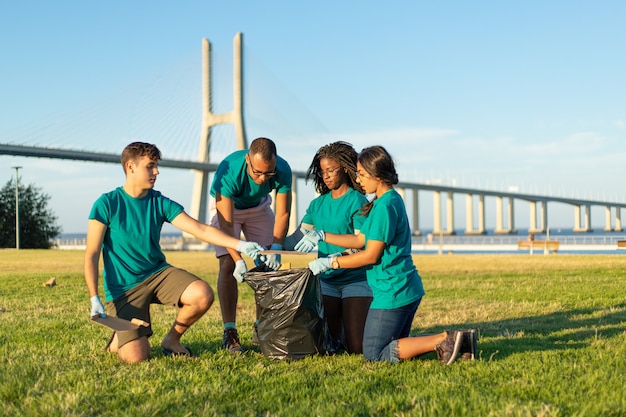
(341, 152)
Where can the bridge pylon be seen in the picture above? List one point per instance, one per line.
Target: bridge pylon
(199, 199)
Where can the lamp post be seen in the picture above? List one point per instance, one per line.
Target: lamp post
(17, 208)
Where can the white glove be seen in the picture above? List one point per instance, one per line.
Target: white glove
(240, 269)
(320, 265)
(251, 249)
(97, 309)
(273, 261)
(309, 241)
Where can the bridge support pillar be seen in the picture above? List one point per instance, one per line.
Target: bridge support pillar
(607, 219)
(293, 217)
(618, 220)
(481, 214)
(499, 222)
(533, 227)
(450, 213)
(437, 213)
(469, 215)
(511, 217)
(199, 198)
(577, 219)
(416, 225)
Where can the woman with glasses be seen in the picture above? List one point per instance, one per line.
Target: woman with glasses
(385, 238)
(345, 292)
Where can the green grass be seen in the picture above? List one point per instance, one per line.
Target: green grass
(552, 344)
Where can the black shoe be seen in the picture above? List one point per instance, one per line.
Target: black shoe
(231, 341)
(448, 349)
(469, 344)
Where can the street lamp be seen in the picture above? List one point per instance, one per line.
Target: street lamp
(17, 208)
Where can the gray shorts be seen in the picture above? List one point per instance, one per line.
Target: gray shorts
(165, 287)
(256, 223)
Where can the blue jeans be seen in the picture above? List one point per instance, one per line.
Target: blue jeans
(383, 328)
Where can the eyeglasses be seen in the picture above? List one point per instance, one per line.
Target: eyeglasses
(359, 175)
(329, 173)
(258, 173)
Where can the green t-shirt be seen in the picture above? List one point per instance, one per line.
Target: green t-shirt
(131, 251)
(393, 279)
(341, 216)
(232, 181)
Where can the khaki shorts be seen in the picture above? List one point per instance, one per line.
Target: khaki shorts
(165, 287)
(256, 223)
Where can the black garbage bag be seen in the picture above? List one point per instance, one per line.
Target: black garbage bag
(291, 312)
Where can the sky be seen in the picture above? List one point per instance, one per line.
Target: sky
(483, 94)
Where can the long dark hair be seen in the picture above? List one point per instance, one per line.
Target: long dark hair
(378, 163)
(341, 152)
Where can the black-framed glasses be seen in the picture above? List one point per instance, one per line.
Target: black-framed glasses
(329, 173)
(258, 173)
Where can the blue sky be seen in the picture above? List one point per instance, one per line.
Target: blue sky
(483, 94)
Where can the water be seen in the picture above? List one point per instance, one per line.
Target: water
(595, 242)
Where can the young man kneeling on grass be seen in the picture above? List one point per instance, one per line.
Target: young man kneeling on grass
(125, 226)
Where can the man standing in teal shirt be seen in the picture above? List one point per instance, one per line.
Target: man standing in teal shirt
(242, 204)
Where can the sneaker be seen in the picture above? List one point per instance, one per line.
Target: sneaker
(469, 344)
(448, 349)
(231, 341)
(255, 335)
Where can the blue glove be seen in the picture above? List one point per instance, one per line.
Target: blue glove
(251, 249)
(97, 309)
(320, 265)
(240, 269)
(309, 241)
(273, 261)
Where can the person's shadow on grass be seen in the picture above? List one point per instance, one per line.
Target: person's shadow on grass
(567, 329)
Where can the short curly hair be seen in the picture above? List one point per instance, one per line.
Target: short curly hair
(137, 150)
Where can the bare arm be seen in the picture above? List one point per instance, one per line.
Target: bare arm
(368, 256)
(93, 247)
(283, 211)
(226, 217)
(205, 232)
(356, 241)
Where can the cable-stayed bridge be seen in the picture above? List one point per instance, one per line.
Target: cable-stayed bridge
(222, 131)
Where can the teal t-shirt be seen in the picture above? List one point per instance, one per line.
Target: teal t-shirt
(131, 251)
(341, 216)
(232, 180)
(393, 279)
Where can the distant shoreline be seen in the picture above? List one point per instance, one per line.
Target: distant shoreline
(569, 243)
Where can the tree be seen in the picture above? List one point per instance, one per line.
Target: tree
(37, 223)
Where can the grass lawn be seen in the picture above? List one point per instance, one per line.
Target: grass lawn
(552, 343)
